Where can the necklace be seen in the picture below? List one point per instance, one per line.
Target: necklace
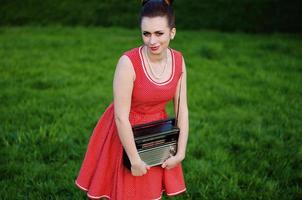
(159, 76)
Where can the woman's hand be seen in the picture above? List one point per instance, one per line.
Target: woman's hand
(172, 162)
(139, 168)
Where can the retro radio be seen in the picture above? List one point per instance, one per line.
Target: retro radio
(155, 141)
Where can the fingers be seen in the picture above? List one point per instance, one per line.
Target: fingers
(170, 163)
(167, 162)
(146, 168)
(144, 171)
(141, 173)
(140, 170)
(138, 173)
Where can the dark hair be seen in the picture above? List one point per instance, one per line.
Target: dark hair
(158, 8)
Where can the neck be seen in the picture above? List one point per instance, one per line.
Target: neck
(154, 58)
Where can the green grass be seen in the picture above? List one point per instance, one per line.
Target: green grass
(245, 103)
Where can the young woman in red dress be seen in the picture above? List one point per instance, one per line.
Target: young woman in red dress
(145, 80)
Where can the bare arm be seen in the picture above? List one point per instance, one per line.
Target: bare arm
(183, 118)
(183, 121)
(122, 92)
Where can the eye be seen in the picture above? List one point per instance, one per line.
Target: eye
(159, 34)
(146, 34)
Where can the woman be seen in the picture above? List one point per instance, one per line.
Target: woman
(146, 78)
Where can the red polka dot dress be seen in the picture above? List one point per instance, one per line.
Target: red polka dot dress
(102, 173)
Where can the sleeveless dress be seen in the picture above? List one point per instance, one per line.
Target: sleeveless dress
(102, 173)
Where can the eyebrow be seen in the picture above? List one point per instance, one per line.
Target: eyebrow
(160, 31)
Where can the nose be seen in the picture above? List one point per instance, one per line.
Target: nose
(153, 39)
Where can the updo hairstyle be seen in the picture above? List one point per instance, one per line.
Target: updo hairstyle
(158, 8)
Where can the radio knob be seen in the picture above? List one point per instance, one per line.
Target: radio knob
(172, 150)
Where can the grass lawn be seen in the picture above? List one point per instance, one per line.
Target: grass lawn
(245, 103)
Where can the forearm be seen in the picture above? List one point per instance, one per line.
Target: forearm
(126, 136)
(183, 124)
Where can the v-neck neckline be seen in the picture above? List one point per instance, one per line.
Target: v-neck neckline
(148, 75)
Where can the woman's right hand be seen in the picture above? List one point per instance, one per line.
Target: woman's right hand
(139, 168)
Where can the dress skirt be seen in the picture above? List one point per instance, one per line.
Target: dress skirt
(103, 175)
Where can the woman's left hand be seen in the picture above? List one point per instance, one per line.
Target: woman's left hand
(172, 162)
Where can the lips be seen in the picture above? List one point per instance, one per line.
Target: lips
(154, 48)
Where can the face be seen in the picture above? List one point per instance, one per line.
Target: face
(156, 34)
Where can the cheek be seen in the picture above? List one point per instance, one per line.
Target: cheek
(165, 38)
(145, 39)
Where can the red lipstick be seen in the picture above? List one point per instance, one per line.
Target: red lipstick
(154, 48)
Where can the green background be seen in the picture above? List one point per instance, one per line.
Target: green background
(244, 96)
(225, 15)
(244, 65)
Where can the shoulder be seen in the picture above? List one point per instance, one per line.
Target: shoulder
(125, 68)
(127, 57)
(124, 61)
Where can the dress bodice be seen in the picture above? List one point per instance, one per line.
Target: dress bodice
(149, 98)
